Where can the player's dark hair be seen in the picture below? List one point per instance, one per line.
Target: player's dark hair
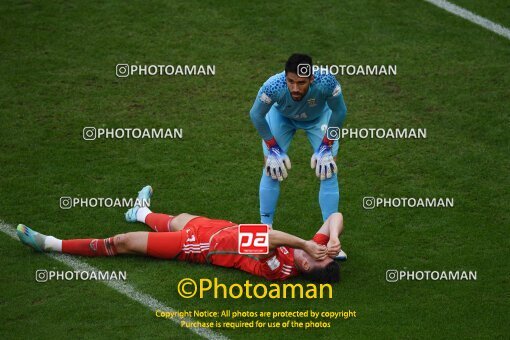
(297, 59)
(328, 274)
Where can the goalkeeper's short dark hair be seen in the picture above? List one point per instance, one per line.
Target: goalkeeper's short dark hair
(297, 59)
(327, 274)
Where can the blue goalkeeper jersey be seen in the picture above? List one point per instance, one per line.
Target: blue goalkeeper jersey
(324, 94)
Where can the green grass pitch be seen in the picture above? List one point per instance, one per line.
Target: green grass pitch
(57, 76)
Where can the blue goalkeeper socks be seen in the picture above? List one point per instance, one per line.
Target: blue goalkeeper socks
(269, 191)
(329, 196)
(268, 194)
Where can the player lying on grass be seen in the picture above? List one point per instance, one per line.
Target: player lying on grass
(199, 239)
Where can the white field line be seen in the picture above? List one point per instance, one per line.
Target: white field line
(474, 18)
(121, 287)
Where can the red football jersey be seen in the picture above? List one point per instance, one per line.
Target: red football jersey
(216, 242)
(279, 265)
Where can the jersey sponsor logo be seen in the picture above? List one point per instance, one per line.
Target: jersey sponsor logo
(191, 239)
(337, 90)
(253, 239)
(265, 99)
(273, 263)
(300, 116)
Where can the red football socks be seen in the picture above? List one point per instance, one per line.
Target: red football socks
(90, 247)
(159, 222)
(106, 247)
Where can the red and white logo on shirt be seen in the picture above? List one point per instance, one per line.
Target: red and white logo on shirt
(253, 239)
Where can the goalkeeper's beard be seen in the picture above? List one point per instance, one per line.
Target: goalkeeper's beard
(296, 96)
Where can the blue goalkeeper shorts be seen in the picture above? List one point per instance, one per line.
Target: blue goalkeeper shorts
(284, 129)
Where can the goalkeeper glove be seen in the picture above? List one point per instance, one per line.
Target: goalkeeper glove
(322, 160)
(277, 161)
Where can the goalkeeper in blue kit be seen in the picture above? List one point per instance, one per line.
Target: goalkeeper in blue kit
(298, 98)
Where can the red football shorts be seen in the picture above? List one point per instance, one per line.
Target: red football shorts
(189, 244)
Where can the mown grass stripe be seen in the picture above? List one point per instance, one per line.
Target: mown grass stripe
(120, 286)
(470, 16)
